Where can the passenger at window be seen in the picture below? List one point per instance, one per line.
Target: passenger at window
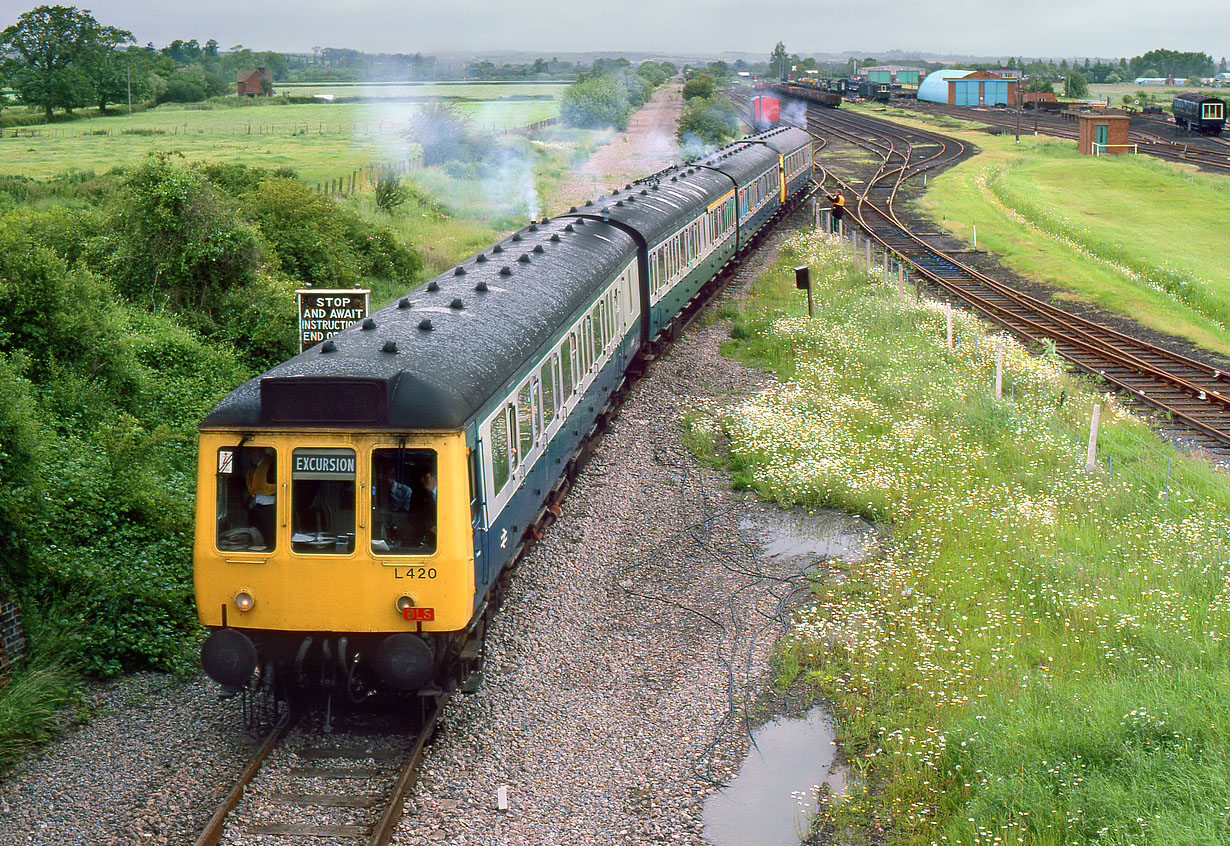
(261, 477)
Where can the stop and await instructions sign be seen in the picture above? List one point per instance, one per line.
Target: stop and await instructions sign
(323, 313)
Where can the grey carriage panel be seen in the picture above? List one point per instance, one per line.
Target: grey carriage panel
(400, 374)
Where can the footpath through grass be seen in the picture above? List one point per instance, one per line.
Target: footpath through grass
(1130, 234)
(1039, 654)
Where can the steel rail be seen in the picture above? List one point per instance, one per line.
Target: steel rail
(213, 829)
(1104, 345)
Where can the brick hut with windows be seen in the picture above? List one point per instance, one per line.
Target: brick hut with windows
(255, 83)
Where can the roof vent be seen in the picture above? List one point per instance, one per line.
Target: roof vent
(644, 193)
(555, 237)
(628, 186)
(497, 249)
(433, 285)
(606, 209)
(674, 179)
(328, 347)
(481, 258)
(403, 303)
(570, 228)
(589, 203)
(367, 324)
(539, 248)
(580, 221)
(460, 271)
(615, 192)
(457, 304)
(525, 258)
(620, 203)
(481, 286)
(425, 324)
(516, 236)
(506, 271)
(533, 227)
(389, 347)
(545, 219)
(572, 209)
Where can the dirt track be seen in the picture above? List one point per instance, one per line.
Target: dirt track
(645, 147)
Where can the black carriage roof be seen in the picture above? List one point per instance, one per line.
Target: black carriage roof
(742, 161)
(659, 205)
(431, 360)
(1195, 97)
(784, 139)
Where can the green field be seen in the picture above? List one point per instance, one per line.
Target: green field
(459, 90)
(320, 140)
(1129, 234)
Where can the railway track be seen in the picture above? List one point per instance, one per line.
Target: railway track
(1193, 393)
(1209, 153)
(303, 783)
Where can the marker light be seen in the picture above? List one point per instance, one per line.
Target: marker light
(403, 604)
(244, 601)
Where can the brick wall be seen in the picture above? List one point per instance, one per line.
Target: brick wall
(12, 635)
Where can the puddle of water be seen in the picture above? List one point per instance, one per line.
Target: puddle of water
(771, 799)
(796, 533)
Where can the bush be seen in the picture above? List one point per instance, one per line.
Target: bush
(389, 192)
(707, 122)
(595, 102)
(305, 232)
(444, 134)
(702, 86)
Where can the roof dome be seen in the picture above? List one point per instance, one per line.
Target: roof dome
(935, 87)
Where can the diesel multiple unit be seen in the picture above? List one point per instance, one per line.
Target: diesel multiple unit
(358, 503)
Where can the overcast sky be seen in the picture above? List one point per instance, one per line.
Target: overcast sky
(1056, 28)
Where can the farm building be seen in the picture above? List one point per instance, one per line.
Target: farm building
(254, 83)
(967, 88)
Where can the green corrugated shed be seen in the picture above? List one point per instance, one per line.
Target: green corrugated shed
(879, 76)
(907, 77)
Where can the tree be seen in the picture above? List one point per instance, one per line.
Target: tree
(778, 61)
(702, 85)
(53, 54)
(1077, 85)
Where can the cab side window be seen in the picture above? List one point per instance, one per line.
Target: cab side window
(404, 489)
(246, 498)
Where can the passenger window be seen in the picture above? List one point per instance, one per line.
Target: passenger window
(404, 498)
(517, 456)
(247, 496)
(597, 330)
(499, 452)
(547, 379)
(322, 491)
(567, 383)
(525, 421)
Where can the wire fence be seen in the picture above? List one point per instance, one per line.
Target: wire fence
(289, 129)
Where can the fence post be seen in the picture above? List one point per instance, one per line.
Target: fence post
(884, 269)
(1093, 439)
(999, 369)
(948, 315)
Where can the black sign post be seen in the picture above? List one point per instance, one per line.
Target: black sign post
(802, 281)
(323, 313)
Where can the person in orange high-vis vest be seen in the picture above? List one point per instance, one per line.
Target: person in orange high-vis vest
(839, 207)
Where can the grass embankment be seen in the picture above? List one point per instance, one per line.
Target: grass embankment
(1039, 653)
(1129, 234)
